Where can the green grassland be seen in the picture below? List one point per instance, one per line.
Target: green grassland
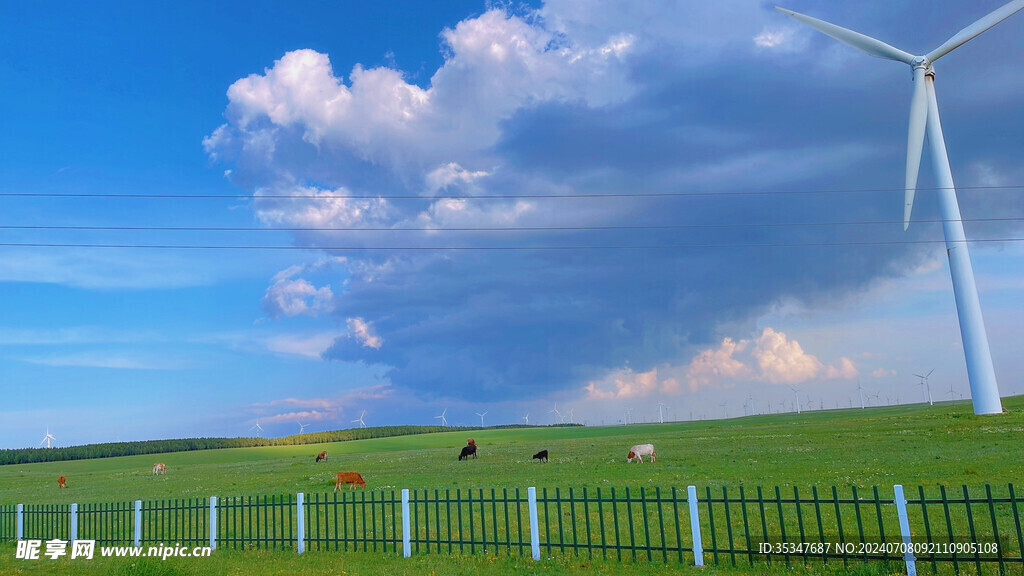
(911, 445)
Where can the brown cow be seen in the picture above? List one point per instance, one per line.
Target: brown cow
(471, 442)
(62, 481)
(352, 478)
(322, 456)
(159, 468)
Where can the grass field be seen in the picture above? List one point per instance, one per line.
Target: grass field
(910, 445)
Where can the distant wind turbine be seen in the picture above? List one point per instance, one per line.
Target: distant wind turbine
(302, 427)
(924, 382)
(924, 117)
(360, 420)
(661, 417)
(527, 418)
(556, 412)
(796, 394)
(481, 418)
(444, 421)
(257, 427)
(48, 438)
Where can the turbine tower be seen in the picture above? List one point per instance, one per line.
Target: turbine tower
(481, 418)
(527, 418)
(444, 421)
(302, 427)
(661, 417)
(924, 116)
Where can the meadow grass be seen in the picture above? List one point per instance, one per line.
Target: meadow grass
(911, 445)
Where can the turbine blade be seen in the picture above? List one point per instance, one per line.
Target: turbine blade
(876, 48)
(993, 18)
(915, 141)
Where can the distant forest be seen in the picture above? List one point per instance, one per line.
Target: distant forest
(112, 449)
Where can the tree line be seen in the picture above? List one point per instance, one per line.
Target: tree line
(113, 449)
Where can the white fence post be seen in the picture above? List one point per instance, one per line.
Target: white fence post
(300, 546)
(138, 523)
(20, 534)
(698, 548)
(74, 523)
(901, 510)
(406, 543)
(213, 522)
(534, 524)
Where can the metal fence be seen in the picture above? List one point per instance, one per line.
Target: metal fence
(942, 530)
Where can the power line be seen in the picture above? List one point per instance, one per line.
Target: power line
(599, 195)
(493, 248)
(490, 229)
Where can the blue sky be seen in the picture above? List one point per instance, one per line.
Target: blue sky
(705, 203)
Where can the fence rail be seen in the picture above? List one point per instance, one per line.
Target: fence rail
(939, 529)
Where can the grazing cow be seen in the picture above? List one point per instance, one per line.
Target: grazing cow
(542, 456)
(322, 456)
(62, 481)
(641, 450)
(467, 452)
(352, 478)
(159, 468)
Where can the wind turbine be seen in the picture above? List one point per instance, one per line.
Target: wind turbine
(257, 427)
(556, 412)
(661, 417)
(481, 418)
(527, 418)
(360, 419)
(48, 438)
(796, 393)
(924, 382)
(302, 427)
(444, 422)
(861, 392)
(924, 116)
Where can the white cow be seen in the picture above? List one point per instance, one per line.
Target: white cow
(641, 450)
(159, 468)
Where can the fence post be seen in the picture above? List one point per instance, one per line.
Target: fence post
(901, 510)
(74, 523)
(300, 546)
(20, 531)
(406, 543)
(138, 523)
(698, 548)
(213, 522)
(534, 523)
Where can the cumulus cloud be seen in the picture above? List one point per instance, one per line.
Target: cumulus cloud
(714, 366)
(770, 358)
(552, 119)
(360, 330)
(629, 384)
(289, 296)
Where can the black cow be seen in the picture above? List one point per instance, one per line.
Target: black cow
(467, 452)
(542, 456)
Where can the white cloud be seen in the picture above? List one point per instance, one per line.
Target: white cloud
(712, 367)
(362, 331)
(628, 384)
(290, 296)
(317, 208)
